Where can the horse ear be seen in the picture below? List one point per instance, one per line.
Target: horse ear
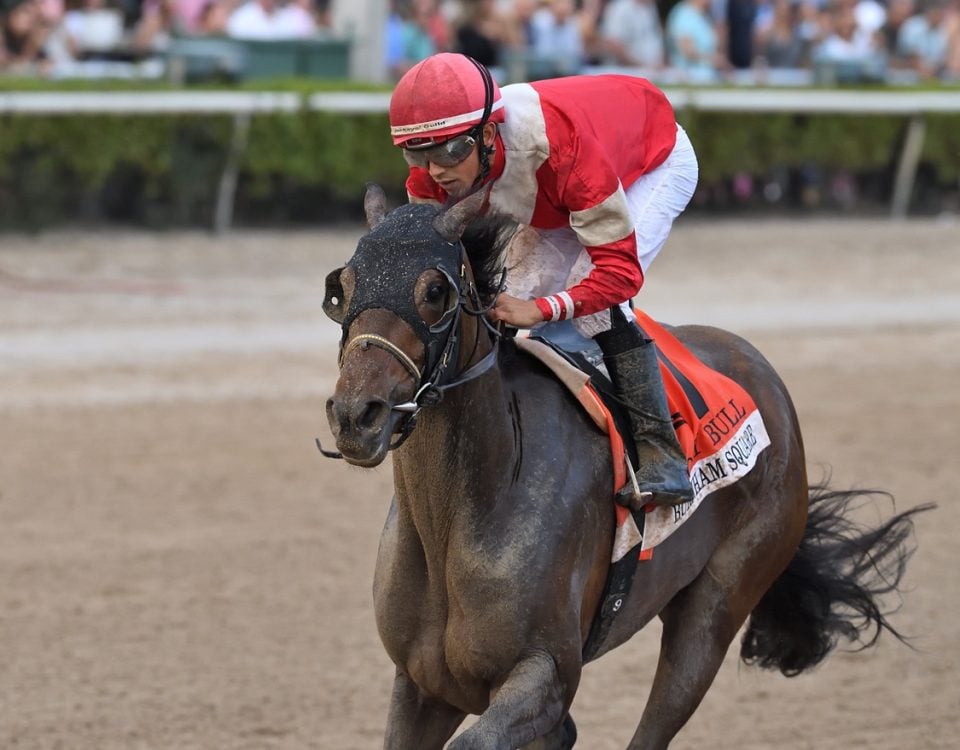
(374, 204)
(451, 223)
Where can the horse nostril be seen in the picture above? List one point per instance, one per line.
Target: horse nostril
(371, 414)
(334, 416)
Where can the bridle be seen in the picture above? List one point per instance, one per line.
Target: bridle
(437, 376)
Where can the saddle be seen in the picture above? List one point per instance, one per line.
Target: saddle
(718, 426)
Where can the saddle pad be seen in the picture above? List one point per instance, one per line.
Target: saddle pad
(718, 427)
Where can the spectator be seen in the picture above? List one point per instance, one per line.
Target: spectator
(590, 12)
(924, 40)
(692, 40)
(522, 22)
(94, 27)
(268, 20)
(952, 71)
(738, 27)
(870, 15)
(813, 24)
(393, 37)
(408, 37)
(482, 31)
(779, 43)
(24, 34)
(898, 11)
(59, 50)
(301, 17)
(321, 12)
(632, 34)
(849, 53)
(158, 22)
(186, 14)
(213, 17)
(427, 14)
(558, 37)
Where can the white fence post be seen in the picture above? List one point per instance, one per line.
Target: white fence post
(907, 167)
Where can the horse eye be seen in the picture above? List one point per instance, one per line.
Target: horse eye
(435, 293)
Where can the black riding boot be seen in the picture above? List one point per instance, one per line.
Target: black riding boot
(631, 360)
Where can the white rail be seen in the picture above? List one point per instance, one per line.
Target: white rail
(816, 101)
(148, 102)
(242, 105)
(362, 102)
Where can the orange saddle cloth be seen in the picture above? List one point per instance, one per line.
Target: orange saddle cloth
(718, 426)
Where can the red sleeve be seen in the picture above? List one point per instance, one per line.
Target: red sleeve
(615, 278)
(590, 190)
(421, 185)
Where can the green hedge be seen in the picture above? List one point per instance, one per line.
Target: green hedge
(728, 143)
(165, 169)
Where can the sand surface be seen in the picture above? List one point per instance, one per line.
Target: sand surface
(179, 568)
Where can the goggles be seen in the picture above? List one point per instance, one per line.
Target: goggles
(446, 154)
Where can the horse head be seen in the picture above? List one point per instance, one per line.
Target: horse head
(398, 301)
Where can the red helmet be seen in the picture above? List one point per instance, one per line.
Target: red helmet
(440, 97)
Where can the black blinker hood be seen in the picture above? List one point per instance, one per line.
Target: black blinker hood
(390, 259)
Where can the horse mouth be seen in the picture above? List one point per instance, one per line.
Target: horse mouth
(361, 456)
(367, 447)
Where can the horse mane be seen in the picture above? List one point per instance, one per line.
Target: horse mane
(485, 240)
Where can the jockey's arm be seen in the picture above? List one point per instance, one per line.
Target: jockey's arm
(603, 226)
(616, 277)
(590, 189)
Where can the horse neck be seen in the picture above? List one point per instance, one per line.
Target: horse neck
(460, 455)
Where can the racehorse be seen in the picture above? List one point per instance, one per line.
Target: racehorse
(497, 544)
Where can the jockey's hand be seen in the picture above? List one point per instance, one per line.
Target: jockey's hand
(514, 311)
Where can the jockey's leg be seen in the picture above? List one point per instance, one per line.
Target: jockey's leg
(655, 201)
(565, 335)
(631, 359)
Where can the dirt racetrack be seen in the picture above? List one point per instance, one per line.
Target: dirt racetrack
(179, 568)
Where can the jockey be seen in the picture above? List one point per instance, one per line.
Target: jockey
(596, 169)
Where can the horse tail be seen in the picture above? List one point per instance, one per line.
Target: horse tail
(833, 586)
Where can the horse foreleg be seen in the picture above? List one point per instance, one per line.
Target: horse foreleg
(561, 737)
(529, 704)
(416, 722)
(697, 630)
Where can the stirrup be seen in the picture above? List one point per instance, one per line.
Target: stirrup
(630, 498)
(630, 495)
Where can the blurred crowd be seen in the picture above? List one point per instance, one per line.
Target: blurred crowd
(689, 40)
(39, 35)
(670, 41)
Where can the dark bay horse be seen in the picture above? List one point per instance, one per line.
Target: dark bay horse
(497, 544)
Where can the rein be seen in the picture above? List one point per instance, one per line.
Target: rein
(429, 389)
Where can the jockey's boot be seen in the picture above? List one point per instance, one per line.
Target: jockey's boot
(631, 359)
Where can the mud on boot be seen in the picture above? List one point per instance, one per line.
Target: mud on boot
(631, 359)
